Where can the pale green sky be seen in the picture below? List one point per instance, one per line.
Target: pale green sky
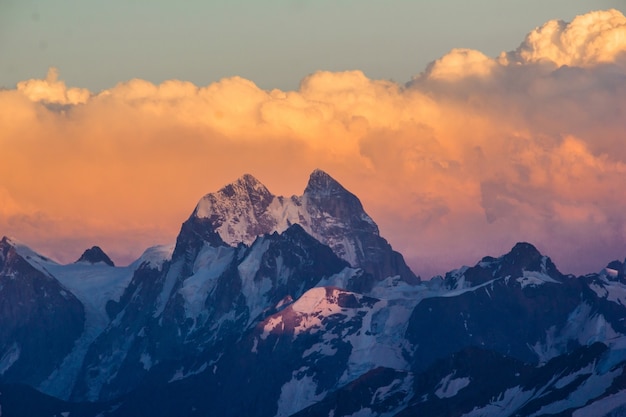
(274, 43)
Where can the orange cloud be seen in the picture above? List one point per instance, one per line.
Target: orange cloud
(472, 155)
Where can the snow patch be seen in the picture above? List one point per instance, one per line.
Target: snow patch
(312, 300)
(210, 263)
(612, 290)
(155, 256)
(506, 404)
(255, 288)
(146, 361)
(170, 280)
(594, 386)
(602, 407)
(397, 386)
(363, 412)
(181, 374)
(534, 279)
(271, 324)
(450, 386)
(298, 393)
(583, 325)
(10, 356)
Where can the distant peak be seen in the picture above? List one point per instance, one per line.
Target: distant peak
(244, 185)
(95, 255)
(616, 265)
(249, 180)
(7, 240)
(319, 175)
(321, 182)
(525, 248)
(525, 256)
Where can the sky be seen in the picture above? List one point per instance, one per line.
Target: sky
(274, 43)
(462, 129)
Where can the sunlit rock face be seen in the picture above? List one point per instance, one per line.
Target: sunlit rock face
(241, 211)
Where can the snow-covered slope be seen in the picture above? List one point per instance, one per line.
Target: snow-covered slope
(207, 296)
(91, 284)
(40, 320)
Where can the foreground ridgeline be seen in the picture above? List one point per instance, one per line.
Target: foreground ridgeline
(275, 306)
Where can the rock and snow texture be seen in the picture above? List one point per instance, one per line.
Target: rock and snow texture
(95, 255)
(244, 210)
(208, 295)
(40, 319)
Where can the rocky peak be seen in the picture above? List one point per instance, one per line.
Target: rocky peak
(324, 195)
(522, 257)
(95, 255)
(322, 183)
(248, 187)
(524, 253)
(5, 248)
(245, 192)
(238, 211)
(616, 270)
(5, 243)
(525, 257)
(10, 248)
(245, 209)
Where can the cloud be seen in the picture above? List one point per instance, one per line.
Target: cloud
(590, 39)
(461, 63)
(52, 91)
(472, 155)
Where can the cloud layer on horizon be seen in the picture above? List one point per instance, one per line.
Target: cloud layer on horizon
(470, 156)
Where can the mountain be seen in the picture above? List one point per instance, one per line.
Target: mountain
(476, 382)
(95, 255)
(241, 211)
(519, 305)
(175, 321)
(39, 319)
(273, 306)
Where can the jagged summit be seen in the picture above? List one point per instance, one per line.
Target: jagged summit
(238, 211)
(327, 196)
(245, 185)
(616, 270)
(524, 250)
(322, 183)
(11, 244)
(522, 259)
(525, 257)
(95, 255)
(245, 189)
(9, 241)
(244, 210)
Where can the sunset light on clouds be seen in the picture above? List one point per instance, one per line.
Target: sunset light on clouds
(471, 155)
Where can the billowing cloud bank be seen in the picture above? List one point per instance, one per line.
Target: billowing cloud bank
(472, 155)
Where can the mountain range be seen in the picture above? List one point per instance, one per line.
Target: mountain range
(274, 306)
